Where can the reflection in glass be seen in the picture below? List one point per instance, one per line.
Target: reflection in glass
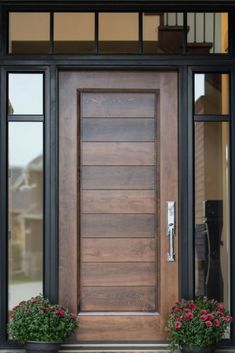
(25, 93)
(212, 214)
(207, 33)
(29, 32)
(211, 94)
(25, 210)
(118, 32)
(74, 32)
(163, 32)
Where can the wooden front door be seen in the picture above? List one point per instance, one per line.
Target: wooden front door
(118, 157)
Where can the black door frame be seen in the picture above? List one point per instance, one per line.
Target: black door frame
(185, 65)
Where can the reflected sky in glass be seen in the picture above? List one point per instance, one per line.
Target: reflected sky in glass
(26, 142)
(26, 94)
(199, 86)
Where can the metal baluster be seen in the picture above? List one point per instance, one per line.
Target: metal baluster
(214, 32)
(195, 27)
(204, 27)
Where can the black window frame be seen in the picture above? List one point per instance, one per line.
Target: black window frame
(51, 64)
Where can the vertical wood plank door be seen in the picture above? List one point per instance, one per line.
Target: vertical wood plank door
(118, 165)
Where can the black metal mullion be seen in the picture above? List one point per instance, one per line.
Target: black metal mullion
(51, 187)
(231, 41)
(191, 191)
(97, 32)
(232, 200)
(211, 118)
(140, 32)
(25, 118)
(3, 213)
(51, 32)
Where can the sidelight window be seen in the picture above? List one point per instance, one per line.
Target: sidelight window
(25, 186)
(212, 187)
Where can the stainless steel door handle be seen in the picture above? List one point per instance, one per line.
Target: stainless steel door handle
(170, 229)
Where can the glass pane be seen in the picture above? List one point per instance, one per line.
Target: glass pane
(211, 94)
(118, 32)
(74, 32)
(25, 211)
(29, 32)
(25, 94)
(207, 33)
(212, 214)
(163, 32)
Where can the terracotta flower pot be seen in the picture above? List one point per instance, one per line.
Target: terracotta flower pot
(42, 347)
(196, 349)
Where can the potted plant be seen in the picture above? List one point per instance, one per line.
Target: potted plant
(197, 326)
(40, 325)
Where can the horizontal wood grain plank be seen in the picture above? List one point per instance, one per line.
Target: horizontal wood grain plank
(118, 299)
(105, 177)
(118, 201)
(105, 104)
(114, 328)
(118, 250)
(118, 274)
(117, 153)
(118, 130)
(117, 225)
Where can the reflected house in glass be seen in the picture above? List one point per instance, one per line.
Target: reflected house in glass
(27, 219)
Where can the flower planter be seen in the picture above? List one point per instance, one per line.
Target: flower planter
(196, 349)
(42, 347)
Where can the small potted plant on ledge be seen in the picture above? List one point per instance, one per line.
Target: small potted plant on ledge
(40, 325)
(197, 326)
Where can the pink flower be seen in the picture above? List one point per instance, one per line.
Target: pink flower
(60, 313)
(187, 310)
(220, 308)
(208, 323)
(217, 323)
(204, 317)
(203, 312)
(189, 316)
(15, 307)
(210, 316)
(192, 306)
(228, 318)
(178, 325)
(73, 317)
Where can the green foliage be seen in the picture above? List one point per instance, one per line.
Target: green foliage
(38, 320)
(201, 323)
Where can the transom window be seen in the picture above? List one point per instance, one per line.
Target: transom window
(120, 33)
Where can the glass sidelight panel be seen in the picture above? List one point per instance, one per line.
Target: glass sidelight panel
(211, 94)
(74, 32)
(29, 32)
(25, 92)
(118, 32)
(25, 210)
(212, 213)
